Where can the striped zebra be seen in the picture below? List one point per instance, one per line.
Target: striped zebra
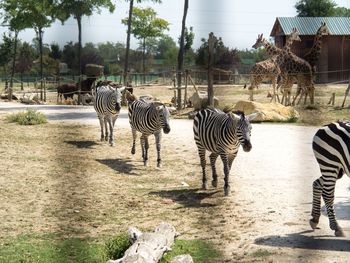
(148, 118)
(221, 134)
(331, 146)
(107, 104)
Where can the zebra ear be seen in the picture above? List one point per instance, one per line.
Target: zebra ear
(121, 89)
(235, 116)
(252, 116)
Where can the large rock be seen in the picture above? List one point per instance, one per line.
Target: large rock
(199, 100)
(275, 112)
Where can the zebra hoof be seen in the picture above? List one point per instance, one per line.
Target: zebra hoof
(313, 224)
(145, 163)
(112, 144)
(159, 165)
(214, 183)
(133, 151)
(227, 191)
(204, 186)
(339, 233)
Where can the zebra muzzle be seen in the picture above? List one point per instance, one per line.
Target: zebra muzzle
(166, 129)
(117, 107)
(247, 146)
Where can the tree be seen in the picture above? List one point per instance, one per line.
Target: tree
(146, 24)
(341, 11)
(25, 59)
(127, 50)
(55, 51)
(315, 8)
(78, 9)
(180, 57)
(5, 51)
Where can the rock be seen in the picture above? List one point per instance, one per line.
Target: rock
(199, 100)
(182, 259)
(267, 111)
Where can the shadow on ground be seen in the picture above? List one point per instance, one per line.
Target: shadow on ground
(303, 241)
(188, 197)
(82, 144)
(120, 165)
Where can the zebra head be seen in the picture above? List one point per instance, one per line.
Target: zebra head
(243, 128)
(164, 117)
(117, 95)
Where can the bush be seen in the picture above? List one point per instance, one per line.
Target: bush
(116, 247)
(28, 117)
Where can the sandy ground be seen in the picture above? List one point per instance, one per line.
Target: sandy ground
(271, 196)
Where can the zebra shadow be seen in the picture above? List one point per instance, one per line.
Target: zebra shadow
(120, 165)
(195, 198)
(82, 144)
(303, 241)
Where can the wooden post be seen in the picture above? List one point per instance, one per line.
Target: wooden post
(186, 83)
(211, 46)
(346, 94)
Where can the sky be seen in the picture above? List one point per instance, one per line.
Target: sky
(237, 22)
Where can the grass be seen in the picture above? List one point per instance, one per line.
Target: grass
(51, 248)
(201, 251)
(261, 253)
(28, 117)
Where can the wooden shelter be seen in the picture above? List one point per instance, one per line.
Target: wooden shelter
(334, 62)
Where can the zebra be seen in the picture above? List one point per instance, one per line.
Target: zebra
(221, 134)
(107, 104)
(331, 146)
(148, 118)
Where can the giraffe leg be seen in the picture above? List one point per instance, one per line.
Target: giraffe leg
(213, 157)
(225, 163)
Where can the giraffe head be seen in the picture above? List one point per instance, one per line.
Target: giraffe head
(323, 30)
(294, 36)
(259, 42)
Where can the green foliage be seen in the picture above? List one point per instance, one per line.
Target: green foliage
(341, 11)
(315, 8)
(224, 57)
(201, 251)
(261, 253)
(6, 50)
(116, 247)
(28, 117)
(253, 54)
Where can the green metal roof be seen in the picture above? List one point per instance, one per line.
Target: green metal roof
(309, 25)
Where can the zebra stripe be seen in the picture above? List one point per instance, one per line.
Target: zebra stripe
(148, 118)
(107, 106)
(221, 134)
(331, 149)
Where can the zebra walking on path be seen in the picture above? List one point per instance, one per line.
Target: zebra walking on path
(331, 145)
(107, 104)
(221, 134)
(148, 118)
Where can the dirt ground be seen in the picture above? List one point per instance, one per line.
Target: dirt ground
(59, 178)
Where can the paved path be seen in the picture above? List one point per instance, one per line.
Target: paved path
(273, 180)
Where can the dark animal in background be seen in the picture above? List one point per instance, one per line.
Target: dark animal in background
(66, 90)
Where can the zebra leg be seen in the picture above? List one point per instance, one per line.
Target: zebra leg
(201, 153)
(328, 197)
(106, 128)
(317, 187)
(111, 135)
(144, 146)
(134, 136)
(225, 163)
(158, 137)
(101, 119)
(213, 157)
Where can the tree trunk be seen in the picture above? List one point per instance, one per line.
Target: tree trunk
(127, 50)
(79, 59)
(211, 44)
(180, 58)
(40, 37)
(144, 59)
(13, 65)
(148, 247)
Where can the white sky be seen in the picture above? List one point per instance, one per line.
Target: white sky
(238, 22)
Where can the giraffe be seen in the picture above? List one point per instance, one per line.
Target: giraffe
(314, 53)
(268, 69)
(291, 66)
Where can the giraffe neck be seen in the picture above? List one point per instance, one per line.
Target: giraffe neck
(271, 49)
(313, 54)
(288, 44)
